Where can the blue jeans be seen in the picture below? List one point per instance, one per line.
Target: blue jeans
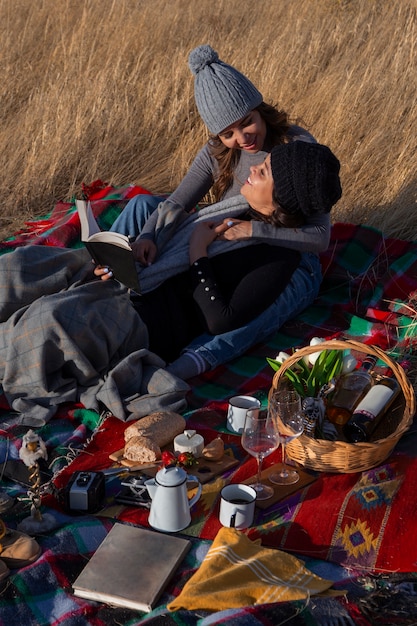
(216, 349)
(131, 220)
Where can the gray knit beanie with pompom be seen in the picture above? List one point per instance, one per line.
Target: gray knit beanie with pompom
(222, 94)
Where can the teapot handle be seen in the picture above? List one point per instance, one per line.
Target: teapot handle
(194, 479)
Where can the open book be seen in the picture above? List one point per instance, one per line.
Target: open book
(107, 248)
(131, 567)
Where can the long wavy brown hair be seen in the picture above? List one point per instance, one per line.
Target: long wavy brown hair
(277, 126)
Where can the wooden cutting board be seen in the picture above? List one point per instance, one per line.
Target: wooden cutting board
(281, 491)
(205, 470)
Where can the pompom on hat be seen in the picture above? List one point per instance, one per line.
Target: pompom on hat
(222, 94)
(306, 177)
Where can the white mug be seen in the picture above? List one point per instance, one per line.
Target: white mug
(237, 506)
(237, 409)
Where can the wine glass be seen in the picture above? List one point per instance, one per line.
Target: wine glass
(285, 409)
(260, 438)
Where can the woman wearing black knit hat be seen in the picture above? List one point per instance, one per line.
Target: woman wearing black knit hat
(304, 181)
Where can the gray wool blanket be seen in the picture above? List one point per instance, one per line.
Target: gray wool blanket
(65, 337)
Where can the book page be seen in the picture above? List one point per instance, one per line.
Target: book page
(90, 230)
(88, 222)
(106, 236)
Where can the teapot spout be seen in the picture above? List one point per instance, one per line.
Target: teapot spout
(151, 487)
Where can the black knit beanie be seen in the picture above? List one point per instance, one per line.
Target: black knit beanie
(306, 177)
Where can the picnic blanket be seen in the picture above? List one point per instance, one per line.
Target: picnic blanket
(353, 530)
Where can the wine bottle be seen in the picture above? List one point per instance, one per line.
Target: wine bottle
(349, 390)
(370, 410)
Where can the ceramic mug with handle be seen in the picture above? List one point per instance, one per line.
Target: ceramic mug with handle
(237, 506)
(237, 409)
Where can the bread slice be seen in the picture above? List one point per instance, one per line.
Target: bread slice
(142, 450)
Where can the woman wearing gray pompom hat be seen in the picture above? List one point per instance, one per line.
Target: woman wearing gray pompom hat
(244, 129)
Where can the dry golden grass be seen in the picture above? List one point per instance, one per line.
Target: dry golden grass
(102, 89)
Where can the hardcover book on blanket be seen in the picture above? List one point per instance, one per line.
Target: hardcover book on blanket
(353, 529)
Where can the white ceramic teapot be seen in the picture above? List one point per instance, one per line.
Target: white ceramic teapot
(170, 506)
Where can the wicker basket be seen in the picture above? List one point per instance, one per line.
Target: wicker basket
(339, 456)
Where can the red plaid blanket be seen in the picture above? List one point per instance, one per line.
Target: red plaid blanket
(353, 528)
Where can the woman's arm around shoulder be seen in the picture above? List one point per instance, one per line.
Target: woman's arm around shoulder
(314, 236)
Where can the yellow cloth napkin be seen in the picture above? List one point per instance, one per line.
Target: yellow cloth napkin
(239, 572)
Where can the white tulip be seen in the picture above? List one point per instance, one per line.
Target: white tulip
(349, 363)
(304, 359)
(282, 356)
(312, 358)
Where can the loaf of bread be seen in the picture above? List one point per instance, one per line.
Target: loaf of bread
(145, 437)
(160, 427)
(142, 450)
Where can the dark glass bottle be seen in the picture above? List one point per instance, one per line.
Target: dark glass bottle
(370, 410)
(349, 390)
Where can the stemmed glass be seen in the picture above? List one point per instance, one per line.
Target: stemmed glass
(260, 438)
(286, 411)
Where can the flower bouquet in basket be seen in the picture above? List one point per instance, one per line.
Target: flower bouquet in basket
(314, 377)
(317, 372)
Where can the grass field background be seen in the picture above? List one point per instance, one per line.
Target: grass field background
(101, 89)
